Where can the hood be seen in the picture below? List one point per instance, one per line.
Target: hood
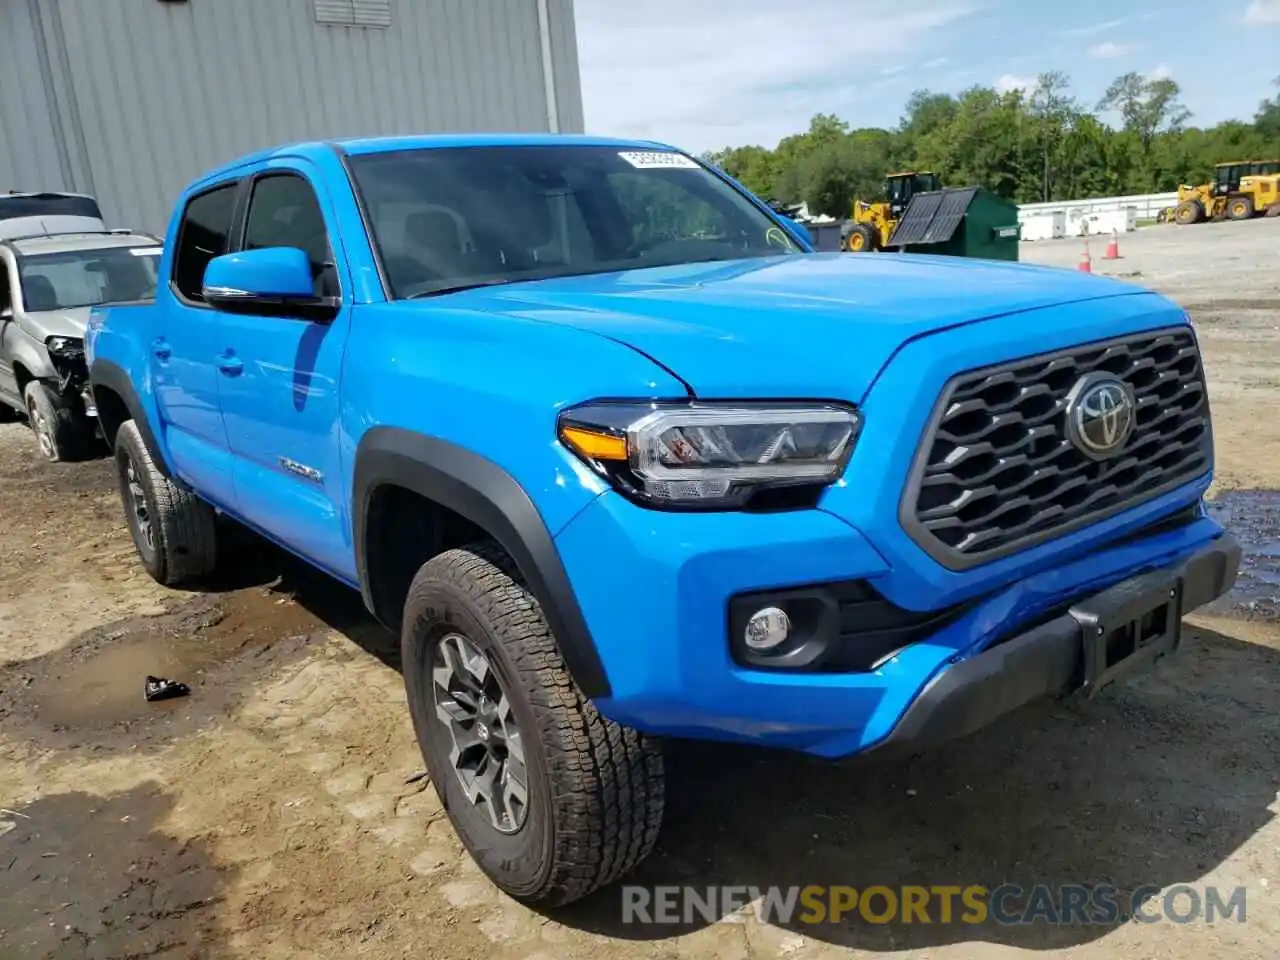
(819, 325)
(57, 323)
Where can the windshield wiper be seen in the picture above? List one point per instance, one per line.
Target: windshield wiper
(492, 282)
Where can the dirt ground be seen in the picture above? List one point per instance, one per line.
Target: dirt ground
(268, 815)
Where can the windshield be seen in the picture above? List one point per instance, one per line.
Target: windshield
(83, 278)
(448, 218)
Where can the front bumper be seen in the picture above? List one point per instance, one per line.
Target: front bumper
(655, 590)
(1069, 652)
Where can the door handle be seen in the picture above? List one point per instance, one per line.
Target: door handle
(162, 349)
(230, 365)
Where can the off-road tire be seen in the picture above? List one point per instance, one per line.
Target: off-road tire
(861, 239)
(1189, 211)
(595, 792)
(62, 429)
(183, 544)
(1239, 208)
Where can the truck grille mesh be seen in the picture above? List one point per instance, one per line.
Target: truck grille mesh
(997, 471)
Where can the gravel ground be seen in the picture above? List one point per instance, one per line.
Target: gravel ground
(268, 814)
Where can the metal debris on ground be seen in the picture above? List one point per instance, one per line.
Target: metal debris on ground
(158, 688)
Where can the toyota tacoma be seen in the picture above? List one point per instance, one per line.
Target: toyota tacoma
(622, 459)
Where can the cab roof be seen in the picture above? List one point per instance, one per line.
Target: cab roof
(360, 146)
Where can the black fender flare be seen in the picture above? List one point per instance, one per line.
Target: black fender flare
(479, 490)
(111, 376)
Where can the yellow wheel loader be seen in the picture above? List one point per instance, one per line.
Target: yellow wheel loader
(873, 223)
(1238, 191)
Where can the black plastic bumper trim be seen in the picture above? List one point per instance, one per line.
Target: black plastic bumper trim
(1051, 659)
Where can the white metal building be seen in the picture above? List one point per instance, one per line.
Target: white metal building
(129, 100)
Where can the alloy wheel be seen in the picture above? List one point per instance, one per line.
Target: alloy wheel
(487, 750)
(138, 505)
(40, 427)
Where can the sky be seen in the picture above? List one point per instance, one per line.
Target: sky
(704, 74)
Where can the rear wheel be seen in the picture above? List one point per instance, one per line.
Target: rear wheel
(1240, 208)
(551, 800)
(861, 238)
(1189, 211)
(59, 423)
(173, 529)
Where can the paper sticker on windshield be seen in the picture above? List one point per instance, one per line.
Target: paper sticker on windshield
(145, 251)
(657, 160)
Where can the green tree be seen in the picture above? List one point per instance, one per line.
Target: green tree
(1025, 146)
(1147, 105)
(1053, 108)
(1268, 119)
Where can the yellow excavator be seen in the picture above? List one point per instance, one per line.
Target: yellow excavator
(873, 223)
(1239, 190)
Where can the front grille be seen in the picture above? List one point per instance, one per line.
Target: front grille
(997, 471)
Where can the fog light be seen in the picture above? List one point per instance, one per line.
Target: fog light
(767, 628)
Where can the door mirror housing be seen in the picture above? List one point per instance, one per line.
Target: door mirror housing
(270, 281)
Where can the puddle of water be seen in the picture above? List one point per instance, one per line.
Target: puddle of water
(1253, 516)
(105, 686)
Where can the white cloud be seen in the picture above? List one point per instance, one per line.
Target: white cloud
(1108, 50)
(935, 63)
(890, 71)
(1161, 72)
(683, 72)
(1103, 26)
(1009, 83)
(1263, 11)
(1091, 29)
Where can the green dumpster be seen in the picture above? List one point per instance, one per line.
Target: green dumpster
(959, 222)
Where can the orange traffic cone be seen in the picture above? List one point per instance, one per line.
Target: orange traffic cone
(1086, 262)
(1113, 248)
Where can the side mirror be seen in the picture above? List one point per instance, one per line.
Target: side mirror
(271, 281)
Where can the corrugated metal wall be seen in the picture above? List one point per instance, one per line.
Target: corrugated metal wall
(28, 148)
(131, 99)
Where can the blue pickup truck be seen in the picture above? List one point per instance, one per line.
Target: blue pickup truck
(621, 459)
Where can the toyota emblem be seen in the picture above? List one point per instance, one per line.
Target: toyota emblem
(1101, 414)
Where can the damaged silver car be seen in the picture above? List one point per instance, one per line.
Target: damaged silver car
(48, 286)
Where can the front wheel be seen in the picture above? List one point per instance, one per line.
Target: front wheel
(62, 430)
(1188, 212)
(550, 799)
(861, 238)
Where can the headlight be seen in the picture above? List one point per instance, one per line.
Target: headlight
(711, 455)
(65, 346)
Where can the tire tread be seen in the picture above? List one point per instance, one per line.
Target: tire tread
(186, 526)
(72, 434)
(607, 780)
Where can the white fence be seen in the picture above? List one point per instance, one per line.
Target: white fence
(1145, 206)
(1083, 218)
